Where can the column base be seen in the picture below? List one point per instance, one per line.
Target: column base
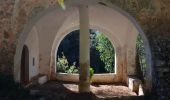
(84, 87)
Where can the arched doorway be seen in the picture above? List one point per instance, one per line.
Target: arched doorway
(24, 74)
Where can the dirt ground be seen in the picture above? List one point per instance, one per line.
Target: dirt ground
(105, 90)
(57, 91)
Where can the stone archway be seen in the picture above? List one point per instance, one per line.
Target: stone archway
(110, 18)
(24, 74)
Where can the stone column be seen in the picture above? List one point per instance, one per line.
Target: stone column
(84, 83)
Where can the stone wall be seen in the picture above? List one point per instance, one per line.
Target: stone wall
(7, 38)
(156, 25)
(154, 18)
(160, 43)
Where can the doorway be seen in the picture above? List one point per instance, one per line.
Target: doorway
(25, 66)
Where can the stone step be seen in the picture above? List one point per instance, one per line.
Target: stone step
(42, 79)
(135, 85)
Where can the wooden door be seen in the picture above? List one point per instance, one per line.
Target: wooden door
(25, 66)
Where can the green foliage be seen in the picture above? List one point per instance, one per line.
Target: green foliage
(141, 54)
(106, 50)
(62, 4)
(72, 69)
(63, 65)
(91, 71)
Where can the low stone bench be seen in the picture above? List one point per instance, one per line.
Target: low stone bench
(141, 90)
(134, 84)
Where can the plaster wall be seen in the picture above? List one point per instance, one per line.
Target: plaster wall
(32, 43)
(47, 29)
(55, 25)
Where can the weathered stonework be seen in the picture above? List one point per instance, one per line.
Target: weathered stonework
(24, 11)
(155, 23)
(158, 31)
(7, 46)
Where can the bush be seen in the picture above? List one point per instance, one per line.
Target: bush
(72, 69)
(63, 66)
(91, 71)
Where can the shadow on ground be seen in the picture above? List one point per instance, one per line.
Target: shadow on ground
(58, 91)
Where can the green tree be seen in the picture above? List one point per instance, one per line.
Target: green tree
(106, 50)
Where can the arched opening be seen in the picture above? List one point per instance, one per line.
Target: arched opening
(102, 53)
(24, 74)
(69, 43)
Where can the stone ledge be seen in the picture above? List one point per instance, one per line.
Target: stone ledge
(97, 78)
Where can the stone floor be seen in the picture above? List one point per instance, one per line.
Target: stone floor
(57, 91)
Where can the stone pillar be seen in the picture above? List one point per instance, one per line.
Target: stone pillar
(84, 83)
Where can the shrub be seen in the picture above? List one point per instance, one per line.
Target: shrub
(72, 69)
(91, 71)
(63, 65)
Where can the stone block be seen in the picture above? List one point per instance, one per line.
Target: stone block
(141, 90)
(133, 84)
(42, 79)
(163, 69)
